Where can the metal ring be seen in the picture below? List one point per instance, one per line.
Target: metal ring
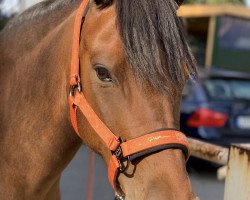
(119, 197)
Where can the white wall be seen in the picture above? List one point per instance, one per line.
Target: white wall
(31, 2)
(24, 4)
(247, 2)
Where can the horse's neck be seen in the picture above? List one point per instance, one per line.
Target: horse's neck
(36, 138)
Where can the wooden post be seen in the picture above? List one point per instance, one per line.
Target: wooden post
(209, 152)
(237, 186)
(210, 41)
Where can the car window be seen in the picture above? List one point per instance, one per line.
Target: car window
(227, 89)
(241, 89)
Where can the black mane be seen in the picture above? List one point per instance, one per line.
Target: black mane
(153, 40)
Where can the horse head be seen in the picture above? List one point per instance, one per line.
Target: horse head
(134, 62)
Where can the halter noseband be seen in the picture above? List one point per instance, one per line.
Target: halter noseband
(121, 150)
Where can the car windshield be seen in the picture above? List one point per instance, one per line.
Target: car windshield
(227, 89)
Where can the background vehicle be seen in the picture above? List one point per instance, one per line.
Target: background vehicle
(217, 108)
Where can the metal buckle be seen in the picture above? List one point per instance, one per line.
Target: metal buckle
(119, 197)
(71, 90)
(79, 87)
(73, 87)
(118, 154)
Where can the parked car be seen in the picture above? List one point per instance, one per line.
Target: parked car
(216, 108)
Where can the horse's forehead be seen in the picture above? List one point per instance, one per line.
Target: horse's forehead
(101, 33)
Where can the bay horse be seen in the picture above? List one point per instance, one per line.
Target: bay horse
(133, 62)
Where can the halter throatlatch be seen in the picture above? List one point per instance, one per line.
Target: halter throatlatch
(120, 149)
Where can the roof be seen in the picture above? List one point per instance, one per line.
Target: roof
(220, 73)
(201, 10)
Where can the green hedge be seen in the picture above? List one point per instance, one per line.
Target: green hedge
(2, 23)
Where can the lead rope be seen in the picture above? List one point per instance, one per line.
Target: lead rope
(91, 174)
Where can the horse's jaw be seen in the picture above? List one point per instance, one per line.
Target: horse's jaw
(159, 176)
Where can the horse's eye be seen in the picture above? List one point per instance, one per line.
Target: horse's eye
(103, 74)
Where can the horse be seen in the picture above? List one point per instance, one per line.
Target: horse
(133, 63)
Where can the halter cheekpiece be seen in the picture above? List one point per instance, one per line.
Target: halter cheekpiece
(121, 150)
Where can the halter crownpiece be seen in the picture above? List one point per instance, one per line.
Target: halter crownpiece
(121, 150)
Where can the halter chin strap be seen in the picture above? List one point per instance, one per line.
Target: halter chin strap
(121, 150)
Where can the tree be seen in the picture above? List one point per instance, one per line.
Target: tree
(3, 19)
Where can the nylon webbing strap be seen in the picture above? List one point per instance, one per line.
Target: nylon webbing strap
(74, 69)
(153, 140)
(111, 141)
(148, 144)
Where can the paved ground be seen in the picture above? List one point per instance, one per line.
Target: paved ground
(73, 184)
(206, 186)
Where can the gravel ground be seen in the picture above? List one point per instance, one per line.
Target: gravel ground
(73, 183)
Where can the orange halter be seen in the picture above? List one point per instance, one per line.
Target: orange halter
(121, 150)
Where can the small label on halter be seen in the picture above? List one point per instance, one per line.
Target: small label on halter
(157, 138)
